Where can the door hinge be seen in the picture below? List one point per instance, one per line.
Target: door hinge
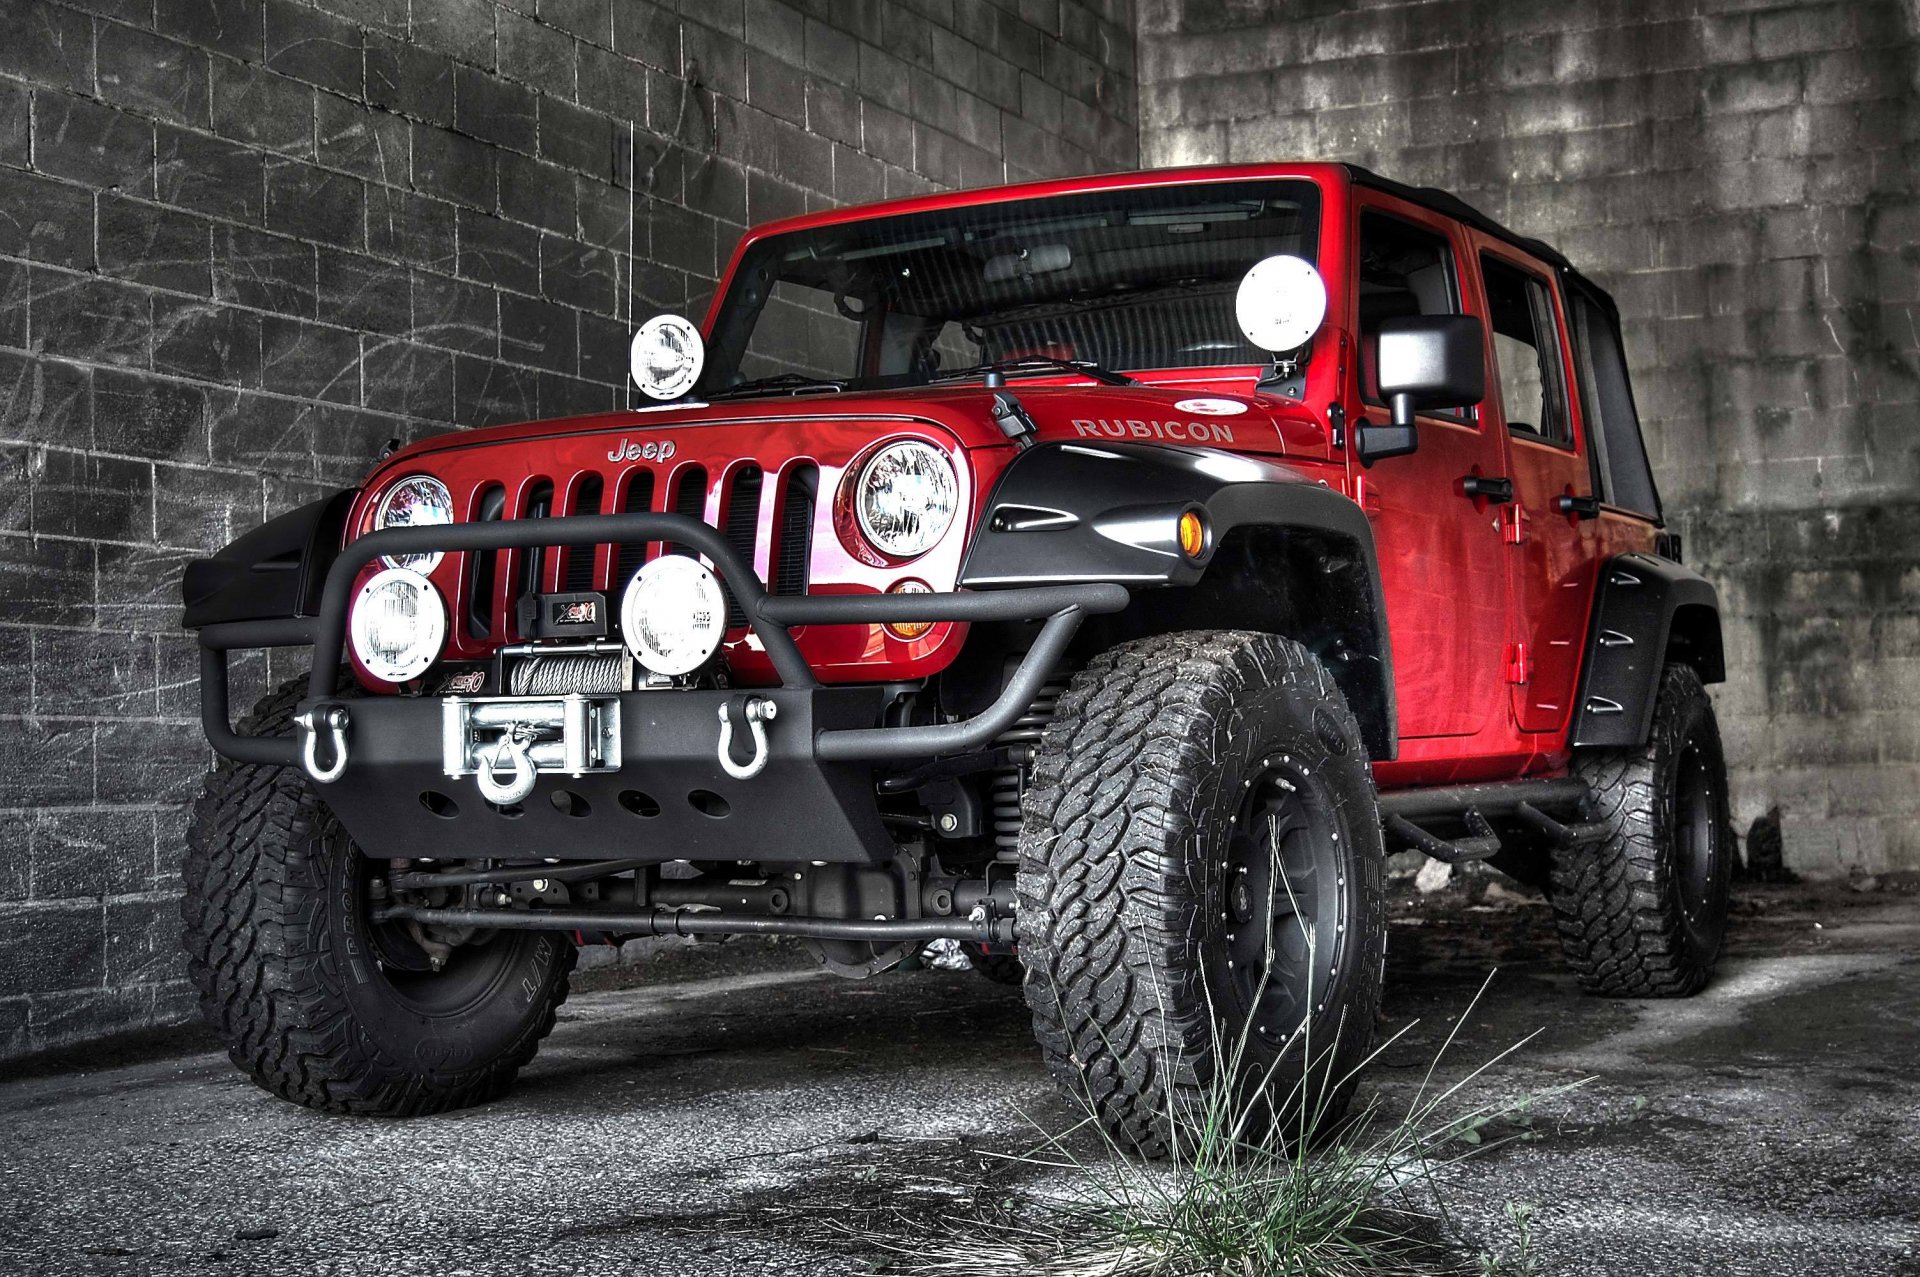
(1513, 523)
(1519, 664)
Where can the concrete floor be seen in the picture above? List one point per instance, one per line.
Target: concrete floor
(724, 1123)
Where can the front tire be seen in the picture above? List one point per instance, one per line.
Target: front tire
(1202, 913)
(316, 1003)
(1642, 913)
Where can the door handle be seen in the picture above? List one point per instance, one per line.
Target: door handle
(1578, 507)
(1495, 491)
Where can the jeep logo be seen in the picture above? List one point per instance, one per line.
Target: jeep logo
(648, 451)
(1184, 431)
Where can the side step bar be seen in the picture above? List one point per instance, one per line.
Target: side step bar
(1524, 801)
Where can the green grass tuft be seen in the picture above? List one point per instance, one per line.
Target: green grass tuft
(1240, 1199)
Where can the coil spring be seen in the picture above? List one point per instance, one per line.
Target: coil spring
(1005, 786)
(590, 673)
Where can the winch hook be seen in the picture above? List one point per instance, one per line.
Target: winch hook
(515, 744)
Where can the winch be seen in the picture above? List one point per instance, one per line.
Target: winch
(526, 736)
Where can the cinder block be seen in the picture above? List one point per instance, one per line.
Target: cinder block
(209, 175)
(205, 341)
(309, 361)
(260, 108)
(84, 141)
(89, 318)
(410, 228)
(409, 80)
(143, 941)
(201, 509)
(51, 945)
(314, 47)
(91, 497)
(155, 76)
(49, 44)
(135, 414)
(146, 244)
(47, 221)
(91, 853)
(44, 401)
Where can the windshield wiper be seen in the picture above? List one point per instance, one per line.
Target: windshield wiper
(791, 381)
(1040, 364)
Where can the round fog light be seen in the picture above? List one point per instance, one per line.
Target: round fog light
(673, 615)
(397, 625)
(908, 630)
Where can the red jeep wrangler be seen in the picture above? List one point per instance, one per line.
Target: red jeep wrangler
(1101, 573)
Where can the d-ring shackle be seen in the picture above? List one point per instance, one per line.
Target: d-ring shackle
(758, 711)
(333, 721)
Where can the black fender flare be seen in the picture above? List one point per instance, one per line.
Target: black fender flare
(1646, 611)
(274, 572)
(1075, 511)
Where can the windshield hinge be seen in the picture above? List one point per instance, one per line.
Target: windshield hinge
(1286, 375)
(1013, 420)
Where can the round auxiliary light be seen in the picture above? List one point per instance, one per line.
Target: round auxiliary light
(673, 615)
(1281, 303)
(397, 625)
(417, 501)
(908, 630)
(667, 356)
(906, 498)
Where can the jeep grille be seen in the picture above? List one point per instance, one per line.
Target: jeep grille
(745, 513)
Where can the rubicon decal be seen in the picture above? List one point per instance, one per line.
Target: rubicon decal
(651, 450)
(1211, 407)
(1183, 431)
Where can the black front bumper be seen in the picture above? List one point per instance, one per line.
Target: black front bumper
(670, 797)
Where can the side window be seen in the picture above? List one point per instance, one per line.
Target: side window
(1526, 351)
(1606, 404)
(1404, 270)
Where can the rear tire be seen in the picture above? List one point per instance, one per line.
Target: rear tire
(1642, 914)
(1202, 910)
(317, 1004)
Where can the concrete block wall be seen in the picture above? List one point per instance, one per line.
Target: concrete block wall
(1741, 174)
(245, 242)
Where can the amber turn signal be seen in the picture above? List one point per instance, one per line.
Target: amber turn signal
(907, 631)
(1193, 534)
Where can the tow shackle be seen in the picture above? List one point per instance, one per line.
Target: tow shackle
(758, 711)
(331, 719)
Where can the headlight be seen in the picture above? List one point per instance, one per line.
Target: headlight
(418, 501)
(906, 498)
(673, 615)
(398, 624)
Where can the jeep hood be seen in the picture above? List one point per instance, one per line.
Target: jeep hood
(1170, 413)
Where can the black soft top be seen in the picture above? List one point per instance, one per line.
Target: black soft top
(1448, 204)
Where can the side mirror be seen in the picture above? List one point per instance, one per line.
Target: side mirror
(1424, 361)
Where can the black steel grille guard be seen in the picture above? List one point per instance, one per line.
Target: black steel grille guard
(1060, 608)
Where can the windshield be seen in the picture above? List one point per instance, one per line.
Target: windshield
(1127, 279)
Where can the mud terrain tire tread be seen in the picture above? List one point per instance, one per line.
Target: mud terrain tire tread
(258, 954)
(1617, 902)
(1120, 790)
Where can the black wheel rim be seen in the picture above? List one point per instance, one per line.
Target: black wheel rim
(473, 973)
(1696, 838)
(1283, 906)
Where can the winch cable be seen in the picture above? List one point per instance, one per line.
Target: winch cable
(589, 673)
